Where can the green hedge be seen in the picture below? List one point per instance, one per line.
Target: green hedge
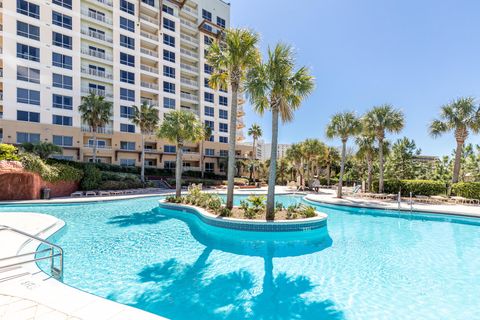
(416, 187)
(469, 190)
(50, 172)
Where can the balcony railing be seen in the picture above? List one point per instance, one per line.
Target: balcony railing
(149, 35)
(149, 102)
(97, 73)
(97, 54)
(189, 82)
(98, 92)
(149, 85)
(190, 11)
(97, 35)
(189, 67)
(149, 19)
(149, 52)
(99, 146)
(105, 2)
(189, 39)
(189, 53)
(103, 130)
(189, 96)
(144, 67)
(96, 16)
(188, 24)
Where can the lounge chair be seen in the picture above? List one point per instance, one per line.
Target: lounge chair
(77, 194)
(103, 193)
(90, 193)
(129, 192)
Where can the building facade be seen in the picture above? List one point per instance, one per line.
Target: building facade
(265, 149)
(53, 52)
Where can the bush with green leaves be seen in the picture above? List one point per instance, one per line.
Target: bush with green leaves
(92, 178)
(225, 212)
(50, 173)
(199, 198)
(416, 187)
(8, 152)
(300, 210)
(470, 190)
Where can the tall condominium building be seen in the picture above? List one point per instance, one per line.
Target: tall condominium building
(265, 149)
(53, 52)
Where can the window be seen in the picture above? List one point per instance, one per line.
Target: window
(62, 81)
(100, 143)
(127, 94)
(127, 128)
(223, 139)
(168, 87)
(207, 40)
(127, 162)
(28, 74)
(62, 102)
(149, 2)
(209, 166)
(63, 141)
(128, 77)
(223, 153)
(169, 149)
(223, 127)
(61, 20)
(221, 22)
(168, 103)
(28, 137)
(209, 152)
(127, 145)
(127, 112)
(61, 60)
(127, 59)
(210, 124)
(169, 165)
(28, 116)
(28, 31)
(208, 28)
(223, 101)
(61, 40)
(208, 69)
(168, 55)
(167, 9)
(28, 9)
(207, 15)
(169, 24)
(64, 3)
(127, 7)
(206, 82)
(169, 40)
(127, 24)
(28, 52)
(169, 72)
(127, 42)
(209, 111)
(28, 96)
(61, 120)
(223, 114)
(97, 89)
(209, 97)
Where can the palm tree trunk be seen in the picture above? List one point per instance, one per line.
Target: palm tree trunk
(380, 165)
(273, 167)
(458, 159)
(202, 169)
(329, 170)
(142, 172)
(178, 171)
(342, 169)
(94, 145)
(231, 146)
(369, 173)
(253, 158)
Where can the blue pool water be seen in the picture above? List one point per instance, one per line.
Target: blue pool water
(369, 264)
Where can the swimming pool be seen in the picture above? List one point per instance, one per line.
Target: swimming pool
(369, 264)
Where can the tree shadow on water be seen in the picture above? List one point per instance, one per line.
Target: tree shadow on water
(153, 216)
(181, 291)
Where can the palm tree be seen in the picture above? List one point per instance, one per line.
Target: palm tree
(231, 59)
(312, 150)
(330, 157)
(96, 113)
(367, 150)
(42, 149)
(343, 125)
(207, 130)
(255, 131)
(276, 86)
(295, 156)
(146, 118)
(180, 127)
(378, 121)
(460, 116)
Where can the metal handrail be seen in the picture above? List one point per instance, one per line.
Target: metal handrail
(57, 273)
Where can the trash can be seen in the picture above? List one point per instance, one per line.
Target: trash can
(45, 193)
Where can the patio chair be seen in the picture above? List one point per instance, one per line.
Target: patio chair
(90, 193)
(103, 193)
(77, 194)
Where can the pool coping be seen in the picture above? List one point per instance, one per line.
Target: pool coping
(36, 286)
(305, 224)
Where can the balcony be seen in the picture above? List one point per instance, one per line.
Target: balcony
(189, 40)
(189, 53)
(97, 54)
(96, 16)
(189, 68)
(149, 102)
(240, 111)
(144, 67)
(98, 92)
(240, 124)
(149, 52)
(144, 17)
(97, 73)
(192, 12)
(189, 97)
(149, 85)
(187, 24)
(189, 82)
(102, 130)
(97, 35)
(99, 146)
(149, 36)
(1, 96)
(107, 3)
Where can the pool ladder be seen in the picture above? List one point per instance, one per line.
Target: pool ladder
(53, 251)
(399, 200)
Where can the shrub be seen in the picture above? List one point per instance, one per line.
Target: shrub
(8, 152)
(307, 211)
(50, 173)
(469, 190)
(215, 204)
(92, 178)
(113, 185)
(225, 212)
(416, 187)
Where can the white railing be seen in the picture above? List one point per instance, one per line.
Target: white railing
(149, 52)
(148, 18)
(189, 53)
(97, 54)
(189, 96)
(189, 67)
(149, 35)
(104, 130)
(96, 16)
(98, 92)
(97, 35)
(144, 67)
(105, 2)
(188, 24)
(189, 39)
(99, 146)
(190, 11)
(189, 82)
(150, 85)
(96, 73)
